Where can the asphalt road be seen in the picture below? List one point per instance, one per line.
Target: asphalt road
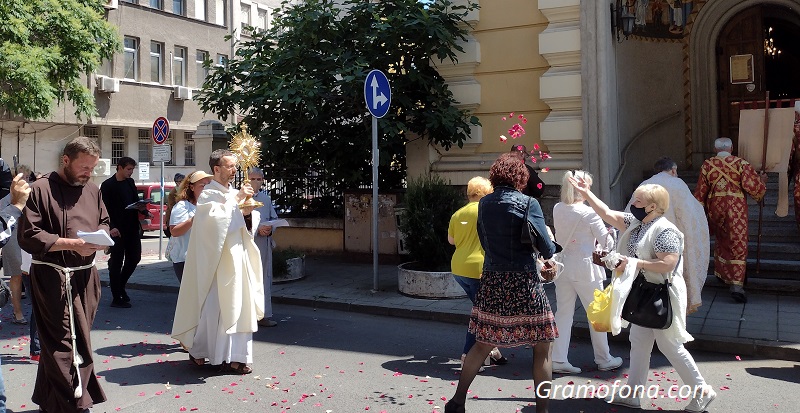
(329, 361)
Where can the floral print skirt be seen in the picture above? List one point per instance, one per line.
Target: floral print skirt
(511, 310)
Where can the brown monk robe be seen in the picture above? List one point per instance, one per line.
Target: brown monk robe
(56, 210)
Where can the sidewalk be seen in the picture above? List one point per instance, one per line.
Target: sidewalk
(767, 326)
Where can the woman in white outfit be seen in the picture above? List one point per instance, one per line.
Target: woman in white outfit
(653, 245)
(578, 227)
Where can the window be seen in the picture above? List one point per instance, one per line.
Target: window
(202, 72)
(245, 18)
(131, 1)
(222, 60)
(106, 67)
(131, 51)
(156, 61)
(179, 66)
(188, 149)
(263, 19)
(93, 133)
(179, 7)
(156, 4)
(117, 144)
(145, 146)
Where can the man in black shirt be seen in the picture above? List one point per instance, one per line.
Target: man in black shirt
(119, 191)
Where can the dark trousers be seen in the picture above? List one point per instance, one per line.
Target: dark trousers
(35, 349)
(125, 256)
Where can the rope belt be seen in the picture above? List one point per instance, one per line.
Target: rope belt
(77, 360)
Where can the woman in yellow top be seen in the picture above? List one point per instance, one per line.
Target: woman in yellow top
(467, 262)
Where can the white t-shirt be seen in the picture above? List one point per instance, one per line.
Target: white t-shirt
(181, 212)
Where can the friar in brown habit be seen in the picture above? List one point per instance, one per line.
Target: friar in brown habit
(61, 204)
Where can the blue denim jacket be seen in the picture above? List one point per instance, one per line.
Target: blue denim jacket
(500, 223)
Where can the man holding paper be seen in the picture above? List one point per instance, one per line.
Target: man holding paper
(264, 240)
(62, 203)
(119, 192)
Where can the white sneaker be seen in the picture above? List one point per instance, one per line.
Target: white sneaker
(612, 364)
(700, 403)
(565, 368)
(632, 402)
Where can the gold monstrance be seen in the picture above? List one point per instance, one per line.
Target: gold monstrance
(248, 154)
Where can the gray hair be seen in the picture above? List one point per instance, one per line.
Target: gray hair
(255, 170)
(723, 144)
(569, 194)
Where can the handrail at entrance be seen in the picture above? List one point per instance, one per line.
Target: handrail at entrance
(636, 138)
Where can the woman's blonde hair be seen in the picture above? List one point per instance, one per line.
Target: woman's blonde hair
(654, 194)
(478, 187)
(570, 195)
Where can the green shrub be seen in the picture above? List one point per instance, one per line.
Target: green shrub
(429, 203)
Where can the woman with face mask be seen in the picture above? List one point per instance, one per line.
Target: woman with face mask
(654, 246)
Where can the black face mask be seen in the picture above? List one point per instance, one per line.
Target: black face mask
(639, 213)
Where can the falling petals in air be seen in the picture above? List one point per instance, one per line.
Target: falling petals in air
(539, 185)
(738, 358)
(535, 146)
(545, 170)
(503, 138)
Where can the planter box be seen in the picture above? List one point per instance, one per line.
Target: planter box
(296, 270)
(427, 284)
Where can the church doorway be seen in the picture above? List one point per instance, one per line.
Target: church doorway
(757, 52)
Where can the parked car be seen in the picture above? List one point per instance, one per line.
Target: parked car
(152, 191)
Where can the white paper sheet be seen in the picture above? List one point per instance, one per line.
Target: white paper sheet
(98, 237)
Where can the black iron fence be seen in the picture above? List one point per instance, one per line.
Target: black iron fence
(303, 193)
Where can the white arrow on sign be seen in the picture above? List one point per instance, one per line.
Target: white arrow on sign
(377, 99)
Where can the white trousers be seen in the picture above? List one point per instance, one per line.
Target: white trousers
(213, 342)
(566, 292)
(642, 339)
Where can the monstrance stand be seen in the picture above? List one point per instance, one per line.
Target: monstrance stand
(248, 154)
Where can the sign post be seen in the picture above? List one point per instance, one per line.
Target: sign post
(161, 153)
(378, 97)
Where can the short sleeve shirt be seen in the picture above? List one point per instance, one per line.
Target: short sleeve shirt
(181, 212)
(668, 241)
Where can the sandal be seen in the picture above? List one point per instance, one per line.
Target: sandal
(197, 362)
(21, 321)
(240, 368)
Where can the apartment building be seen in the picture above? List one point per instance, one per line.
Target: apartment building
(159, 70)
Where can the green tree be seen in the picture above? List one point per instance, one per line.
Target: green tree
(300, 85)
(45, 47)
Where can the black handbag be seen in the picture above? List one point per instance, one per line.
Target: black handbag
(648, 304)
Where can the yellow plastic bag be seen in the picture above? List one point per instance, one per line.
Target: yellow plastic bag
(599, 311)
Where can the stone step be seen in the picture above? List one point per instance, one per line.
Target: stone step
(771, 250)
(768, 269)
(759, 285)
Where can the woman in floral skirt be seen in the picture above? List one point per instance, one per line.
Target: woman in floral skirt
(511, 307)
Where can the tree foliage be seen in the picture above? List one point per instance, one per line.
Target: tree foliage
(300, 85)
(45, 47)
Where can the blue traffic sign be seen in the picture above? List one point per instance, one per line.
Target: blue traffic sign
(160, 130)
(377, 93)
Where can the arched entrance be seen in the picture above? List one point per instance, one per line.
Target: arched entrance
(705, 83)
(757, 52)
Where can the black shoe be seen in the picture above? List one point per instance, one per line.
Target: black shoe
(124, 297)
(120, 304)
(739, 297)
(453, 407)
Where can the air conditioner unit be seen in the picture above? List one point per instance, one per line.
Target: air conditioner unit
(107, 84)
(111, 4)
(103, 168)
(182, 93)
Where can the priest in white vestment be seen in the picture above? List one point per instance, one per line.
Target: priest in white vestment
(221, 297)
(688, 215)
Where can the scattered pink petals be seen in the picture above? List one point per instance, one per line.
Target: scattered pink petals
(738, 358)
